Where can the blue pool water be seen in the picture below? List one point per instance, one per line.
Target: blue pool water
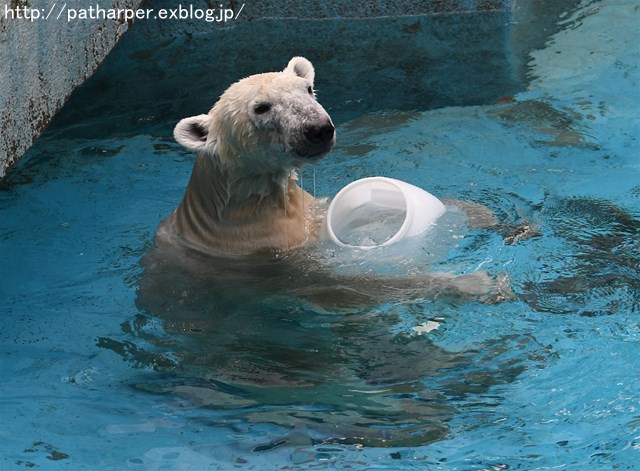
(94, 378)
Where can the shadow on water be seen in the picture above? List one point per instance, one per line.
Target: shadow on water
(600, 259)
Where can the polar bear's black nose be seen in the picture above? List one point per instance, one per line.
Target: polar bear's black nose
(319, 134)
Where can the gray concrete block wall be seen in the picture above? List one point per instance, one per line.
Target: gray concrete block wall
(42, 60)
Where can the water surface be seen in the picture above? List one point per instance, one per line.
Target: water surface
(222, 379)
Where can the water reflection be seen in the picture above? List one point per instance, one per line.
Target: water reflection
(599, 259)
(331, 377)
(281, 340)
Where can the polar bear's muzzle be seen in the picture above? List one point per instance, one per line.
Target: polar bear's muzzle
(320, 134)
(318, 140)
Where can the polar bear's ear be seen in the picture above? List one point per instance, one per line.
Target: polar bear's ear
(192, 132)
(301, 67)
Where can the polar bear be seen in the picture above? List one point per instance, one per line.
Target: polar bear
(242, 197)
(243, 215)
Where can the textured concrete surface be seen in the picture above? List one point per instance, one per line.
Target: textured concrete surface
(42, 60)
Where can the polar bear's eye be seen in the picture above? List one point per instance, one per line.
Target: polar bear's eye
(310, 90)
(262, 108)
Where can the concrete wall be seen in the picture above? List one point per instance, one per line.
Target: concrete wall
(42, 60)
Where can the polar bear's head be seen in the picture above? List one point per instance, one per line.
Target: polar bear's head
(265, 122)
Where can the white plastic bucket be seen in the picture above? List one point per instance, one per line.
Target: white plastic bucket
(380, 211)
